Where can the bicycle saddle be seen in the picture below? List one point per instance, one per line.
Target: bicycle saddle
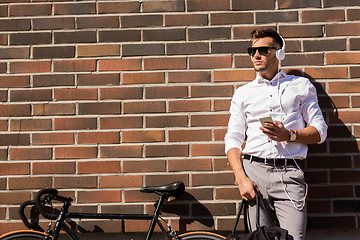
(174, 189)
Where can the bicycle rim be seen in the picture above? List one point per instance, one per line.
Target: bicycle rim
(24, 235)
(200, 236)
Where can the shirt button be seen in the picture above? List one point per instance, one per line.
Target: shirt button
(270, 95)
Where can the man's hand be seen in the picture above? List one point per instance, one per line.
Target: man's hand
(247, 189)
(276, 131)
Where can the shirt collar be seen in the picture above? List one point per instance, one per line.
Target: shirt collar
(281, 74)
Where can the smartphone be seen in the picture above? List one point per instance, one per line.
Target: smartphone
(266, 120)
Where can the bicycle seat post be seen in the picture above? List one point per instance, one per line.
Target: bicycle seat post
(157, 213)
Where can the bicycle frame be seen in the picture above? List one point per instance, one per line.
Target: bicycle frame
(64, 214)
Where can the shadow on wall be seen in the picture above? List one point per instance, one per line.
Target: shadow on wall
(330, 169)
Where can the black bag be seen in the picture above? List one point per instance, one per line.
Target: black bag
(261, 232)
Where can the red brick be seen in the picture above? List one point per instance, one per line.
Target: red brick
(14, 81)
(119, 7)
(15, 53)
(98, 137)
(209, 33)
(75, 182)
(355, 100)
(53, 23)
(252, 5)
(74, 8)
(30, 125)
(50, 80)
(344, 176)
(164, 6)
(186, 19)
(30, 153)
(121, 93)
(99, 167)
(121, 122)
(97, 22)
(222, 105)
(301, 31)
(274, 16)
(212, 91)
(166, 121)
(22, 183)
(119, 64)
(133, 151)
(166, 92)
(99, 196)
(120, 181)
(75, 37)
(98, 79)
(143, 136)
(231, 18)
(14, 168)
(30, 67)
(30, 95)
(343, 87)
(134, 196)
(330, 192)
(190, 48)
(178, 165)
(100, 108)
(210, 62)
(209, 120)
(141, 21)
(346, 29)
(190, 106)
(57, 109)
(14, 139)
(144, 166)
(164, 63)
(213, 179)
(74, 123)
(53, 168)
(164, 35)
(342, 58)
(173, 150)
(74, 65)
(227, 194)
(32, 38)
(52, 138)
(14, 197)
(15, 25)
(143, 78)
(207, 149)
(98, 51)
(189, 77)
(76, 94)
(4, 125)
(120, 36)
(160, 179)
(209, 5)
(354, 72)
(189, 135)
(75, 152)
(221, 164)
(353, 14)
(144, 107)
(327, 72)
(234, 75)
(12, 110)
(243, 32)
(327, 15)
(53, 52)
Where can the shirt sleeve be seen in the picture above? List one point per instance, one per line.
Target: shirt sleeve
(235, 135)
(312, 113)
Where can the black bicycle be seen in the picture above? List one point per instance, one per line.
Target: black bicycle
(43, 205)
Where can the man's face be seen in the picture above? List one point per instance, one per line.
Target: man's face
(265, 63)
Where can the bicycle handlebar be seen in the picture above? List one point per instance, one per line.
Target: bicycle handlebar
(52, 194)
(24, 219)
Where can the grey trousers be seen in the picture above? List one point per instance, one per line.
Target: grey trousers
(273, 190)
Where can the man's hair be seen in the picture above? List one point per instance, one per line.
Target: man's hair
(267, 32)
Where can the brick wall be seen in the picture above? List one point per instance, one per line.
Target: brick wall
(99, 98)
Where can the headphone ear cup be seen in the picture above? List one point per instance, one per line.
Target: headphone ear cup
(280, 54)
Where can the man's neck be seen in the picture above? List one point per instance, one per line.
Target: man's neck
(268, 75)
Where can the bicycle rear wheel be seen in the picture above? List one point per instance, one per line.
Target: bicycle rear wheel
(201, 236)
(25, 235)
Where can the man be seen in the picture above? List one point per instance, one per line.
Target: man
(269, 163)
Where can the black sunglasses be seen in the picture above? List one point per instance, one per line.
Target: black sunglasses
(262, 50)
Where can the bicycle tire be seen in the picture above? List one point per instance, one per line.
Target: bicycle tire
(25, 235)
(201, 236)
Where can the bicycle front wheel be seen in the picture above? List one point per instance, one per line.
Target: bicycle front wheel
(201, 236)
(25, 235)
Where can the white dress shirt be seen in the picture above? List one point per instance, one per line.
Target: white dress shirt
(289, 99)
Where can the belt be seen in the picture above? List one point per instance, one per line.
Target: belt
(271, 161)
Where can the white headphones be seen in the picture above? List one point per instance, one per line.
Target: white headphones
(280, 53)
